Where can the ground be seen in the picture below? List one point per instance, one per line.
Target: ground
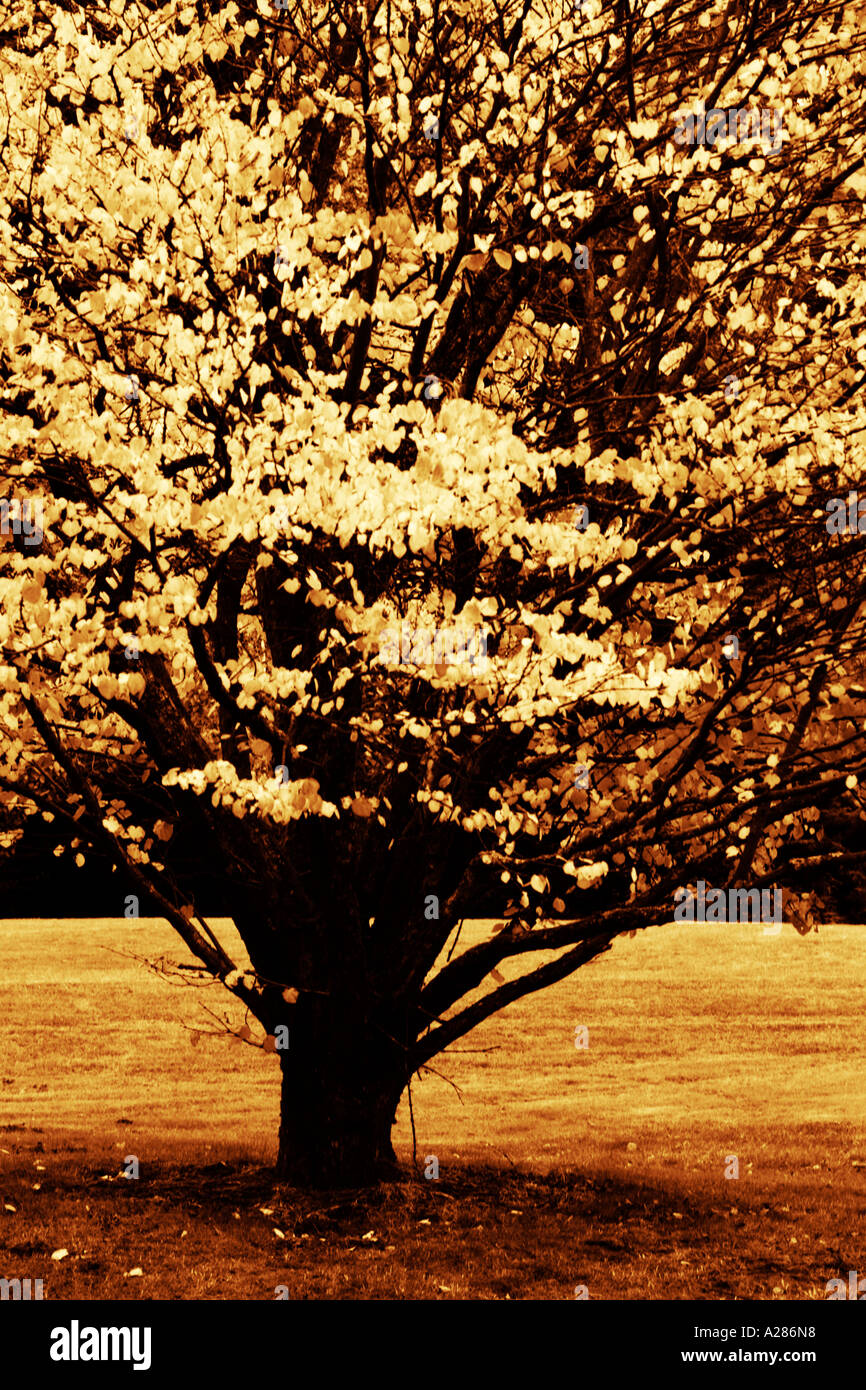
(560, 1169)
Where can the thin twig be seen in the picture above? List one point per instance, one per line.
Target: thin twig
(454, 942)
(414, 1136)
(426, 1067)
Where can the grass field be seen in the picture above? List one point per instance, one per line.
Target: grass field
(559, 1167)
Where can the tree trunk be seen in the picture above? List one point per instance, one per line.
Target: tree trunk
(336, 1113)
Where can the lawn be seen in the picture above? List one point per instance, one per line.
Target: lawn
(603, 1167)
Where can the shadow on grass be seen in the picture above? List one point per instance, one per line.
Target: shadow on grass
(227, 1230)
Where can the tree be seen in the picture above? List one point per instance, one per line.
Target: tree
(433, 457)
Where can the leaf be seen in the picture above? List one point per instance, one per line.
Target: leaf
(60, 1254)
(503, 259)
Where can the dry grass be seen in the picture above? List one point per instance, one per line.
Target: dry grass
(558, 1167)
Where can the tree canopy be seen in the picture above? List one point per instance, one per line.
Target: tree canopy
(432, 450)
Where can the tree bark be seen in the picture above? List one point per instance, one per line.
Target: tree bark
(337, 1107)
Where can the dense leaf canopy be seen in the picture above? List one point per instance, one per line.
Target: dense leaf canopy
(325, 328)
